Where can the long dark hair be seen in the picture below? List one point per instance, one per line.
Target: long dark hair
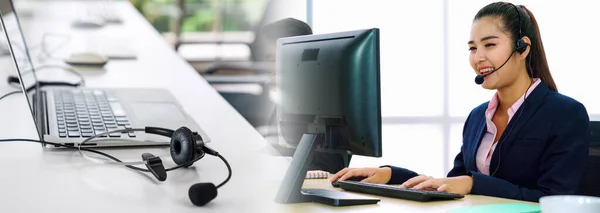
(536, 60)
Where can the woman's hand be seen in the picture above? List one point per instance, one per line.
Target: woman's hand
(417, 180)
(458, 185)
(372, 175)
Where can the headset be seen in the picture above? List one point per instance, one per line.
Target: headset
(520, 47)
(186, 147)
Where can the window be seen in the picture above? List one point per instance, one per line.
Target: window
(411, 49)
(415, 147)
(202, 15)
(455, 143)
(287, 9)
(412, 52)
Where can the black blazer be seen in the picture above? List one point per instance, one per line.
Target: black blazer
(545, 154)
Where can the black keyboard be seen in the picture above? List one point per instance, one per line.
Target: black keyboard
(83, 113)
(396, 192)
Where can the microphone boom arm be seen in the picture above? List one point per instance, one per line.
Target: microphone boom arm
(480, 78)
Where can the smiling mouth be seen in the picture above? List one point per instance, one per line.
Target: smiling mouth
(486, 71)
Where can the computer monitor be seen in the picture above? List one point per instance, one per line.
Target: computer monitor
(329, 87)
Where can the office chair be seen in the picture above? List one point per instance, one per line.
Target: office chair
(590, 182)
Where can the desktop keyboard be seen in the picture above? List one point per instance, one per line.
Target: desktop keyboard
(396, 192)
(83, 113)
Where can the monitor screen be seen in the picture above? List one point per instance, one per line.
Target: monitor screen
(329, 84)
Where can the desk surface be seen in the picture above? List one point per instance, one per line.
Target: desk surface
(39, 180)
(390, 204)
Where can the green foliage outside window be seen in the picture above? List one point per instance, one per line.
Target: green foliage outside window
(203, 15)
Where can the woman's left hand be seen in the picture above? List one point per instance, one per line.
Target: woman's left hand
(458, 185)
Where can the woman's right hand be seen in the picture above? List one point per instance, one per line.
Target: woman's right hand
(416, 181)
(372, 175)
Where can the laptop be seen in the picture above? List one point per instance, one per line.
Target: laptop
(69, 115)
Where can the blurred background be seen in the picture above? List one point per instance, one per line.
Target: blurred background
(222, 29)
(423, 48)
(224, 41)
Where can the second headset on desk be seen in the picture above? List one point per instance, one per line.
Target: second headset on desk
(186, 147)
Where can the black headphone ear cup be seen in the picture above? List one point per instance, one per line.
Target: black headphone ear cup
(521, 46)
(183, 146)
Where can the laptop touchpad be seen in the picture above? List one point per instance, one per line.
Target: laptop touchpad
(157, 111)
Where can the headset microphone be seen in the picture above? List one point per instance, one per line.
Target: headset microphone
(480, 78)
(202, 193)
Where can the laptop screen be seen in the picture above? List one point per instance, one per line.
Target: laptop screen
(13, 41)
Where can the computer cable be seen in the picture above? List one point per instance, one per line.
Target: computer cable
(186, 148)
(511, 128)
(79, 148)
(122, 163)
(42, 84)
(59, 145)
(15, 79)
(199, 193)
(9, 94)
(47, 53)
(130, 164)
(20, 48)
(56, 66)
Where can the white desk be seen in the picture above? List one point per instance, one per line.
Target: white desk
(38, 180)
(390, 204)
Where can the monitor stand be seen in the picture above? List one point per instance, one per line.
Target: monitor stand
(291, 190)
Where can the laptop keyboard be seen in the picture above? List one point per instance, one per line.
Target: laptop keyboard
(83, 113)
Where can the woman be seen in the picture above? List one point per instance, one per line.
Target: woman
(528, 141)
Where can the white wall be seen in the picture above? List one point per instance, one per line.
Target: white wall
(427, 82)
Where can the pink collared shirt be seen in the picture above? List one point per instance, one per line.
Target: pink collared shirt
(486, 148)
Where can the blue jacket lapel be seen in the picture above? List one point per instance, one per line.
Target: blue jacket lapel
(532, 102)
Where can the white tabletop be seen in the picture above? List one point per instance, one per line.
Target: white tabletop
(35, 179)
(388, 204)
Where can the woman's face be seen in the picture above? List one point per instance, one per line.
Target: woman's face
(489, 47)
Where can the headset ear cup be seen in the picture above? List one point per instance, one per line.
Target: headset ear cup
(521, 46)
(183, 146)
